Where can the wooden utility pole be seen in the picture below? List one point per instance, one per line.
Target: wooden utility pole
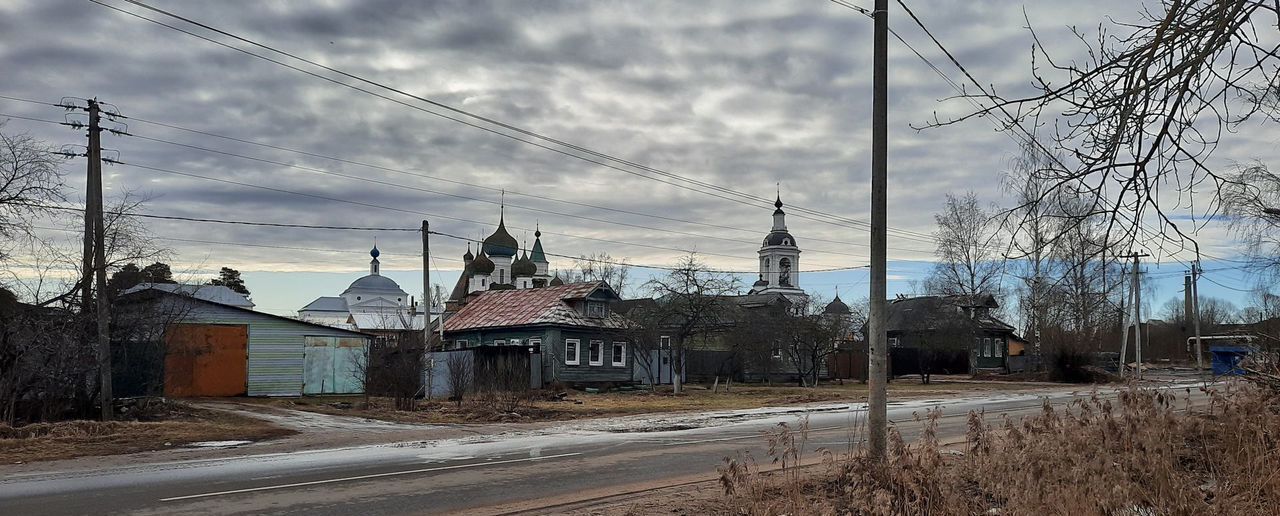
(426, 287)
(93, 218)
(877, 373)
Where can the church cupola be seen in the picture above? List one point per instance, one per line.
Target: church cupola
(466, 258)
(500, 243)
(482, 265)
(374, 265)
(779, 217)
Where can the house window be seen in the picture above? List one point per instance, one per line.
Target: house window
(515, 342)
(986, 347)
(500, 342)
(460, 343)
(893, 342)
(777, 353)
(619, 354)
(595, 353)
(535, 345)
(595, 309)
(999, 345)
(571, 351)
(664, 342)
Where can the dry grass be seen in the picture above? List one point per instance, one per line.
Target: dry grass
(1143, 453)
(51, 441)
(547, 406)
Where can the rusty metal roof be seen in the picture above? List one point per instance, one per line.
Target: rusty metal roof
(535, 306)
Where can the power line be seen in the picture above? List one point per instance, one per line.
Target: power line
(752, 200)
(447, 235)
(457, 196)
(438, 178)
(335, 199)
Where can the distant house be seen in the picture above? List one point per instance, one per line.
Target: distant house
(203, 340)
(571, 333)
(946, 334)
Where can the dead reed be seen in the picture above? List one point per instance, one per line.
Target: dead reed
(1143, 452)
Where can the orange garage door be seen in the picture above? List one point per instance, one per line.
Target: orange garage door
(206, 360)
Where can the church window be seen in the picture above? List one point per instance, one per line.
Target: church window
(786, 241)
(784, 272)
(357, 298)
(502, 276)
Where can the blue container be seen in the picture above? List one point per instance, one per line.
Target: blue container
(1226, 359)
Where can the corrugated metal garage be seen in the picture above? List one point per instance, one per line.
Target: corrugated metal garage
(206, 360)
(276, 346)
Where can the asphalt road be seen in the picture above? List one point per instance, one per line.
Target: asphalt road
(492, 474)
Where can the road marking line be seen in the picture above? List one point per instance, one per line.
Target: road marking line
(363, 477)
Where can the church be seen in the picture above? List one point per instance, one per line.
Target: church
(501, 265)
(372, 303)
(780, 261)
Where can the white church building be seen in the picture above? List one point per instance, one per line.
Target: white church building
(372, 303)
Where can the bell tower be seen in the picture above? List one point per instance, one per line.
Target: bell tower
(779, 259)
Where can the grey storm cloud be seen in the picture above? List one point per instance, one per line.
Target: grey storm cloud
(739, 94)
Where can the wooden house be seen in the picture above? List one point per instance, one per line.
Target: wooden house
(572, 331)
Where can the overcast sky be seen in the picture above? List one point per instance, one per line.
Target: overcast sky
(744, 95)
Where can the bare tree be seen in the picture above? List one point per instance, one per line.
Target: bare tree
(808, 337)
(1031, 226)
(969, 261)
(1087, 283)
(30, 180)
(1251, 202)
(460, 370)
(644, 331)
(602, 267)
(1140, 116)
(690, 300)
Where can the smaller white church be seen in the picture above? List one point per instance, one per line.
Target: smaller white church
(372, 303)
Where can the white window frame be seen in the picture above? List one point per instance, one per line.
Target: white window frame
(460, 344)
(613, 359)
(893, 342)
(599, 346)
(986, 347)
(575, 357)
(535, 342)
(515, 342)
(664, 342)
(777, 353)
(499, 342)
(595, 306)
(999, 347)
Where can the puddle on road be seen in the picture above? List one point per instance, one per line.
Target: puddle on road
(217, 444)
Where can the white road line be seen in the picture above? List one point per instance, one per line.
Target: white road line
(363, 477)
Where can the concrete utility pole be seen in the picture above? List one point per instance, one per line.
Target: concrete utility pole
(877, 370)
(1195, 315)
(1137, 313)
(93, 217)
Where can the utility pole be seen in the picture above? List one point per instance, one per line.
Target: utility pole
(1136, 297)
(426, 286)
(93, 219)
(426, 316)
(877, 370)
(1195, 315)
